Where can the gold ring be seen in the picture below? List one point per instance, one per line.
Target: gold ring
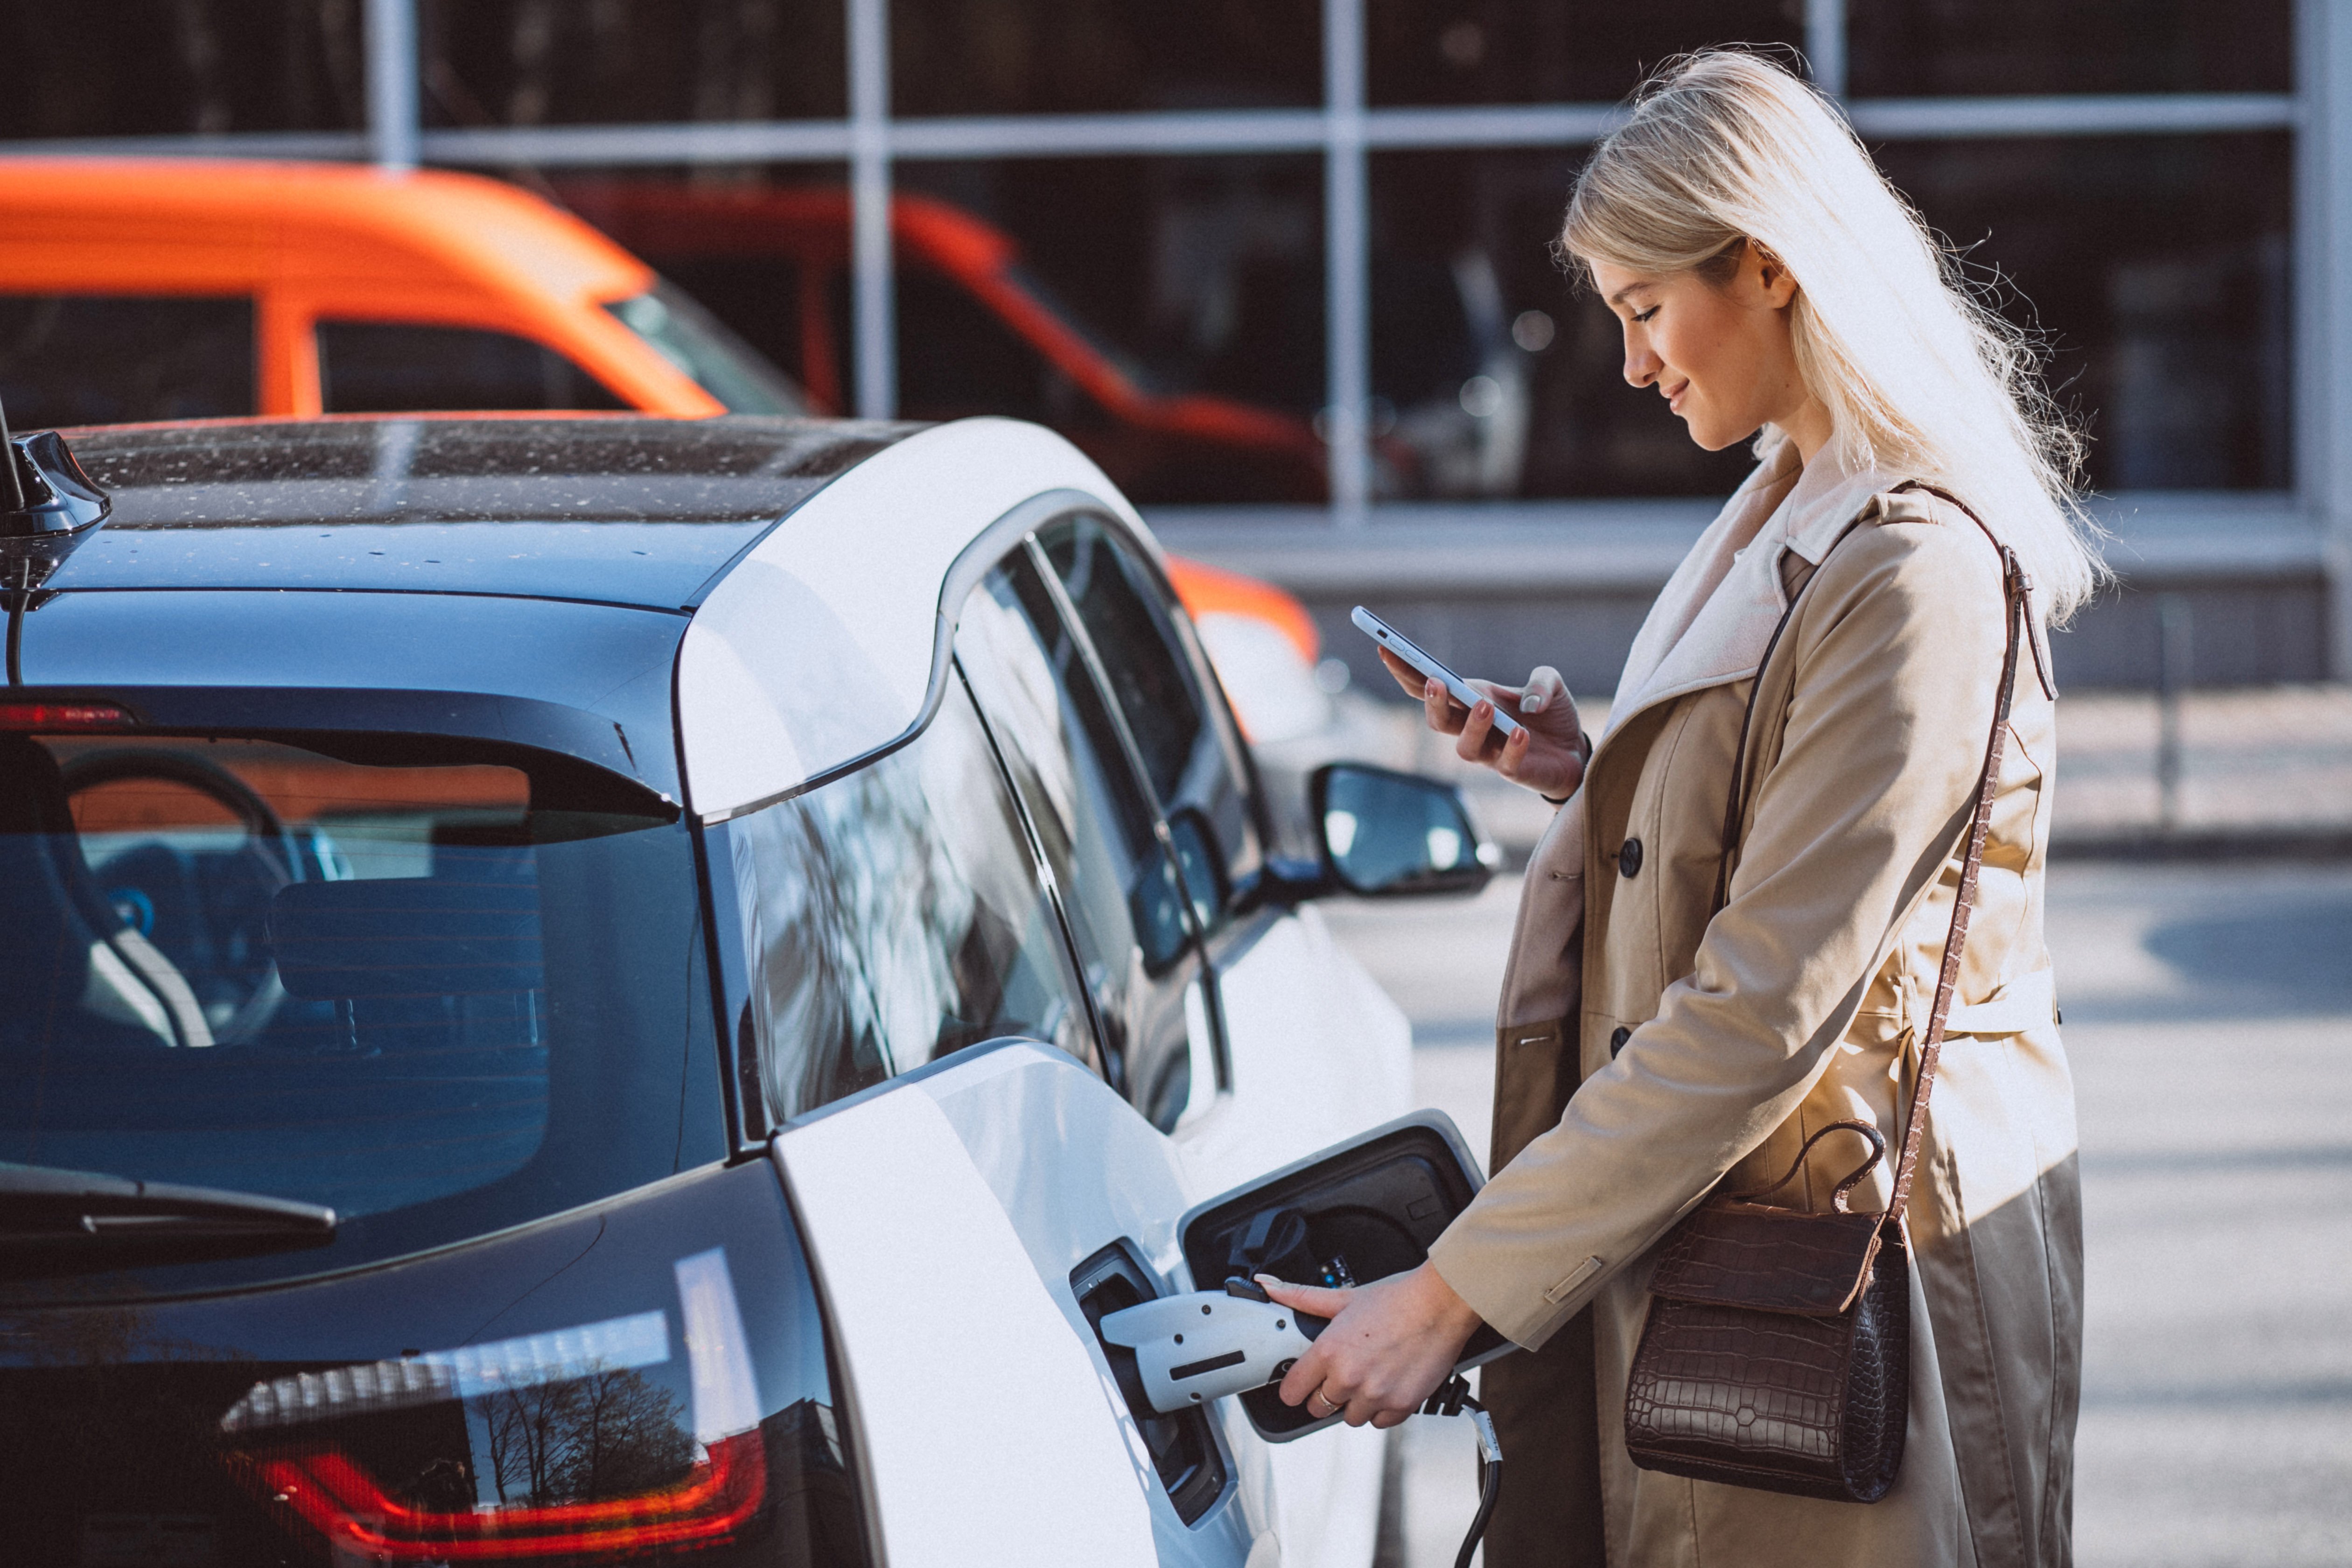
(1332, 1410)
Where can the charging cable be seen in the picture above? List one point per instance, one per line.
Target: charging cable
(1452, 1398)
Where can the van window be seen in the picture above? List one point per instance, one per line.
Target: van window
(400, 367)
(119, 359)
(894, 916)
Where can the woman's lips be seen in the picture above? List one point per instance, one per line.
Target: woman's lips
(1675, 397)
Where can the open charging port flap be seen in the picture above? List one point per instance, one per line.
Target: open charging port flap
(1349, 1214)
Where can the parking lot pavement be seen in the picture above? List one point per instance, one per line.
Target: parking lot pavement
(2209, 1012)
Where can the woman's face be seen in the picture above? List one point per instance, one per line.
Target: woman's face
(1722, 356)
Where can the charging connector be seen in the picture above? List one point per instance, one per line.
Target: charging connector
(1192, 1349)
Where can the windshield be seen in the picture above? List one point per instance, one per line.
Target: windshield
(699, 343)
(428, 988)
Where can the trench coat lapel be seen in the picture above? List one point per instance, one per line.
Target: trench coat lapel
(1733, 573)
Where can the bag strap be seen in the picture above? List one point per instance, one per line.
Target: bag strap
(2016, 589)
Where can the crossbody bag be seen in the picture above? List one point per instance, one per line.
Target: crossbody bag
(1776, 1353)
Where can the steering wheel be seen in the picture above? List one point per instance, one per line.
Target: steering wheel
(211, 920)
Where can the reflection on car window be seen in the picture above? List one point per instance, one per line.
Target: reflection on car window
(894, 916)
(1192, 763)
(245, 964)
(400, 367)
(1120, 889)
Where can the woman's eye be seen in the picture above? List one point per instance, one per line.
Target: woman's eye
(1645, 315)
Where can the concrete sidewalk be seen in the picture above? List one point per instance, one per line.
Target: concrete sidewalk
(2265, 770)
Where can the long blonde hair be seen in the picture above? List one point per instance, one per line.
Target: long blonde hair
(1921, 377)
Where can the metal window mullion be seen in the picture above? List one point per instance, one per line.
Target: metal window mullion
(2323, 304)
(1347, 269)
(874, 329)
(392, 73)
(1825, 45)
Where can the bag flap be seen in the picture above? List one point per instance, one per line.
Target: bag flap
(1729, 1254)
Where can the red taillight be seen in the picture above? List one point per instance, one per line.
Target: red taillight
(64, 716)
(351, 1508)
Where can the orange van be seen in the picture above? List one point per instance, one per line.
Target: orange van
(138, 290)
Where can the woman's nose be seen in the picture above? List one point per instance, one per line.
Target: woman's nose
(1641, 366)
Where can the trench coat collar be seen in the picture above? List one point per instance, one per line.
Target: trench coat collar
(1716, 614)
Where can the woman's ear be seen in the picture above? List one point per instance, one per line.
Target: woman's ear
(1772, 277)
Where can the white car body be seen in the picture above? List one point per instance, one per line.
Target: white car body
(946, 1208)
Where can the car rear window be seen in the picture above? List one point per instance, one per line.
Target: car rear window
(438, 997)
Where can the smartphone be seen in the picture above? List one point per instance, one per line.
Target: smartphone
(1406, 648)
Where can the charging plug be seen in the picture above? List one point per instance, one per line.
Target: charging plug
(1194, 1347)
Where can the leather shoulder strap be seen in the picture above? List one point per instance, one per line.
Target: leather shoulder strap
(2015, 591)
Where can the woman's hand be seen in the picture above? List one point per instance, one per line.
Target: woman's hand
(1389, 1346)
(1547, 754)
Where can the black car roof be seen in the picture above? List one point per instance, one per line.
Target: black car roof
(636, 511)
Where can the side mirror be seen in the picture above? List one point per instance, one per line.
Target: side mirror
(1390, 835)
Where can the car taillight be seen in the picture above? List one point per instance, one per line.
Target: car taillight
(352, 1476)
(354, 1511)
(64, 716)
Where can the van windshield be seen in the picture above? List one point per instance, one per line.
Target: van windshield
(679, 330)
(440, 991)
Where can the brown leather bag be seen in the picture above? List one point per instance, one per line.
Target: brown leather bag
(1776, 1353)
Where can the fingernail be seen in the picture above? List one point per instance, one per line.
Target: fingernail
(1530, 703)
(1265, 1280)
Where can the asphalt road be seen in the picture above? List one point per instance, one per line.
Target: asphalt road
(2209, 1018)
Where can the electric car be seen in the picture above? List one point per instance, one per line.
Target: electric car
(598, 990)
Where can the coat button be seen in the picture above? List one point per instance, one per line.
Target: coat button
(1617, 1038)
(1629, 858)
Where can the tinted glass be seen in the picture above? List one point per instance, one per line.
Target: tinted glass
(1120, 892)
(547, 62)
(1492, 376)
(1495, 51)
(439, 998)
(1188, 751)
(381, 367)
(2159, 267)
(97, 359)
(894, 916)
(1177, 275)
(973, 56)
(132, 67)
(1897, 48)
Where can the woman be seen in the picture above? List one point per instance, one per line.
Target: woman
(1771, 284)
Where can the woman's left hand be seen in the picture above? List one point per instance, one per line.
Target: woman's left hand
(1389, 1346)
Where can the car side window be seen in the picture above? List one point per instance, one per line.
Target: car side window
(401, 367)
(896, 915)
(113, 359)
(1189, 751)
(1122, 893)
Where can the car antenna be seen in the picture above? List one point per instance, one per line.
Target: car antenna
(46, 522)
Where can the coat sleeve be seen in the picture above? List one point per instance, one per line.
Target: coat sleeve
(1899, 651)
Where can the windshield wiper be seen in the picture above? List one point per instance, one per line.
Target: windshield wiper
(40, 1205)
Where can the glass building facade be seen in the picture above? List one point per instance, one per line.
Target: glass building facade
(1286, 267)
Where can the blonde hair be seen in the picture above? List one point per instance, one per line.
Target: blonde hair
(1921, 377)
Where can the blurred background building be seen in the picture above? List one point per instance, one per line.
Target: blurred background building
(1284, 267)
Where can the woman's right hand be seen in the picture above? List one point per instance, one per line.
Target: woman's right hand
(1547, 755)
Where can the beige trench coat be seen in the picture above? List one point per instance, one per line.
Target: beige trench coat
(1646, 1051)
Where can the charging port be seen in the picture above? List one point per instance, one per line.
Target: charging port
(1183, 1448)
